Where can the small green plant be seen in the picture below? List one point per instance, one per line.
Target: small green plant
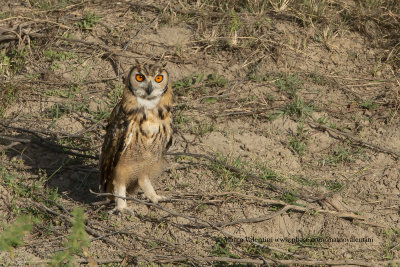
(322, 120)
(340, 154)
(391, 242)
(55, 66)
(5, 63)
(290, 197)
(56, 111)
(298, 108)
(59, 55)
(298, 145)
(304, 180)
(13, 182)
(229, 178)
(201, 207)
(253, 249)
(77, 241)
(334, 185)
(326, 36)
(235, 24)
(71, 92)
(279, 5)
(47, 5)
(333, 125)
(115, 95)
(89, 21)
(19, 188)
(289, 84)
(202, 128)
(298, 141)
(185, 85)
(54, 92)
(369, 104)
(223, 249)
(312, 11)
(41, 4)
(101, 113)
(180, 120)
(12, 235)
(196, 84)
(210, 100)
(216, 80)
(7, 97)
(52, 195)
(233, 179)
(269, 174)
(18, 59)
(270, 98)
(12, 62)
(4, 15)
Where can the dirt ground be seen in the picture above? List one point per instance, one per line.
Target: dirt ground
(286, 142)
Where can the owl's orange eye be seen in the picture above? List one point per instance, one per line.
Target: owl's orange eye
(159, 78)
(139, 77)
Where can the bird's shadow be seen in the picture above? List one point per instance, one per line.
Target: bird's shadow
(71, 176)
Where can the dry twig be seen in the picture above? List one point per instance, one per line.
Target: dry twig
(286, 207)
(45, 143)
(171, 259)
(198, 221)
(255, 179)
(69, 220)
(357, 140)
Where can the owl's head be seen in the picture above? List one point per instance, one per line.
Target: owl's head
(148, 82)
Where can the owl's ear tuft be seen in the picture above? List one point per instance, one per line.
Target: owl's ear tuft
(164, 64)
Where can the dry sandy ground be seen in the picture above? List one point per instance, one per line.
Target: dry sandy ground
(298, 123)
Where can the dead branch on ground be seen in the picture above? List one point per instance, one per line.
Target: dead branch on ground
(197, 221)
(356, 139)
(68, 218)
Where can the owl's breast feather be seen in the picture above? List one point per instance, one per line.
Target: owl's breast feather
(151, 128)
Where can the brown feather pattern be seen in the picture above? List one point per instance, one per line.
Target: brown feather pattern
(136, 137)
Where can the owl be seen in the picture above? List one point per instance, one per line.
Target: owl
(138, 133)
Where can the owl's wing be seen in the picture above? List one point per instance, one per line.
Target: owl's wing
(168, 144)
(113, 146)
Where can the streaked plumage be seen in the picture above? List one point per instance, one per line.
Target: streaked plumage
(138, 133)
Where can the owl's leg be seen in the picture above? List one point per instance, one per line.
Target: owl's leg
(120, 202)
(121, 176)
(145, 184)
(121, 206)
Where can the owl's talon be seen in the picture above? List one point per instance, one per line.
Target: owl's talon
(115, 211)
(155, 199)
(121, 212)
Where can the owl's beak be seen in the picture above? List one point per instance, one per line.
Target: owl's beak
(149, 89)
